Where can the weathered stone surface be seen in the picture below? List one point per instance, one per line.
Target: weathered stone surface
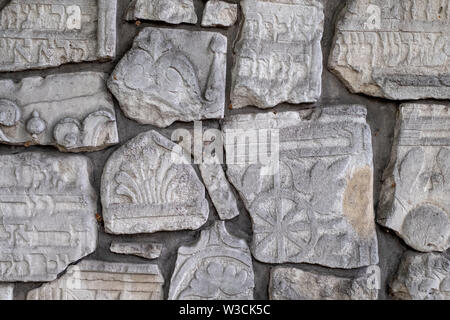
(315, 204)
(219, 14)
(295, 284)
(394, 49)
(172, 75)
(6, 292)
(415, 194)
(143, 250)
(149, 186)
(47, 215)
(219, 190)
(36, 34)
(72, 111)
(278, 55)
(217, 267)
(422, 276)
(96, 280)
(170, 11)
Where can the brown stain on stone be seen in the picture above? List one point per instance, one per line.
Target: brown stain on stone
(358, 202)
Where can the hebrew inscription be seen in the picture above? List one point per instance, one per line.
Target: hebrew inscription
(95, 280)
(36, 34)
(278, 54)
(219, 14)
(415, 199)
(394, 49)
(217, 267)
(422, 276)
(47, 215)
(145, 189)
(316, 205)
(73, 112)
(170, 11)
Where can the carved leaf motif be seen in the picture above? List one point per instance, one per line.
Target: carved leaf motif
(411, 166)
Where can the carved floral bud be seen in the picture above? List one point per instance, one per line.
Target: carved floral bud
(35, 126)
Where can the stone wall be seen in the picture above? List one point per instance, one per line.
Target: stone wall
(356, 96)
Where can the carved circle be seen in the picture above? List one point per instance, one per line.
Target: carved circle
(9, 113)
(67, 133)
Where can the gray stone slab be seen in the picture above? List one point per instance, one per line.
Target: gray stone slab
(47, 215)
(172, 75)
(306, 179)
(170, 11)
(278, 55)
(143, 250)
(219, 14)
(295, 284)
(148, 185)
(97, 280)
(42, 34)
(217, 267)
(422, 276)
(73, 112)
(415, 199)
(397, 50)
(6, 292)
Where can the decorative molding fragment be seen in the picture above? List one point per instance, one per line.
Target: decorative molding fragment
(73, 112)
(6, 292)
(170, 11)
(172, 75)
(397, 50)
(143, 250)
(422, 276)
(47, 215)
(217, 267)
(295, 284)
(219, 14)
(149, 186)
(310, 198)
(278, 54)
(37, 34)
(415, 194)
(96, 280)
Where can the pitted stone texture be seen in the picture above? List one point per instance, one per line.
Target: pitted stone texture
(397, 50)
(47, 215)
(96, 280)
(217, 267)
(278, 55)
(295, 284)
(172, 75)
(318, 206)
(72, 111)
(219, 14)
(149, 186)
(422, 276)
(143, 250)
(219, 190)
(415, 194)
(170, 11)
(6, 292)
(37, 34)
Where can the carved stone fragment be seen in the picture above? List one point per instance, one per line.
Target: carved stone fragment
(172, 75)
(311, 197)
(47, 215)
(217, 267)
(397, 50)
(96, 280)
(295, 284)
(415, 194)
(149, 186)
(278, 54)
(219, 14)
(422, 276)
(170, 11)
(37, 34)
(143, 250)
(6, 292)
(73, 112)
